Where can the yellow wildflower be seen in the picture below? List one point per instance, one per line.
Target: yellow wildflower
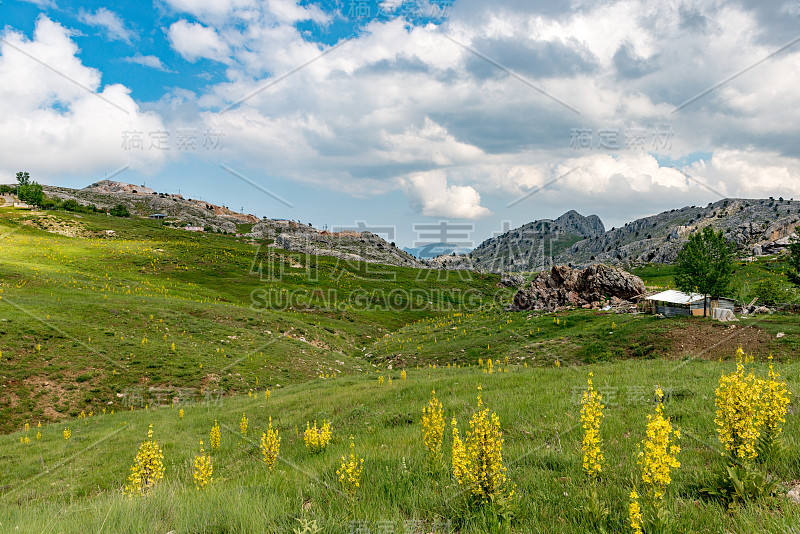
(148, 467)
(478, 461)
(738, 418)
(316, 439)
(203, 468)
(243, 425)
(216, 435)
(635, 513)
(270, 445)
(774, 401)
(657, 453)
(591, 418)
(350, 470)
(433, 425)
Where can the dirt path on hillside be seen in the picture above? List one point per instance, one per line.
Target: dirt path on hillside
(717, 340)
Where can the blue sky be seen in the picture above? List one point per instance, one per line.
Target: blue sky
(408, 112)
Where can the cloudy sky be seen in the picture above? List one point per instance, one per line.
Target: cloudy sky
(398, 113)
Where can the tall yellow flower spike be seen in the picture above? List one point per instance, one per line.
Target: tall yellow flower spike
(478, 460)
(215, 435)
(658, 452)
(148, 467)
(591, 418)
(738, 417)
(203, 468)
(635, 513)
(316, 439)
(350, 470)
(433, 425)
(270, 445)
(243, 425)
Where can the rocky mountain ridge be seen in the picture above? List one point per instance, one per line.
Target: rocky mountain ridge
(755, 226)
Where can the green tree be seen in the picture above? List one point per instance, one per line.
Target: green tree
(705, 264)
(29, 191)
(769, 291)
(794, 261)
(120, 210)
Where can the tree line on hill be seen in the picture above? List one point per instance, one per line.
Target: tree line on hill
(31, 193)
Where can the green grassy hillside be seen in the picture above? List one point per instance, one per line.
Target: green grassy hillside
(76, 485)
(85, 321)
(107, 332)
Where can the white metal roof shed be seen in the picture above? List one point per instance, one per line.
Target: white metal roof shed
(676, 297)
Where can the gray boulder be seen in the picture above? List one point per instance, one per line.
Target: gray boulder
(564, 287)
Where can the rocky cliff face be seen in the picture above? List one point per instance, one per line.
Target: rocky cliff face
(574, 223)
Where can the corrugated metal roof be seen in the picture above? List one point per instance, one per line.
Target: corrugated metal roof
(676, 297)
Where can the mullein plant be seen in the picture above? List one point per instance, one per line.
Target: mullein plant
(317, 439)
(215, 435)
(243, 425)
(657, 457)
(433, 427)
(148, 467)
(478, 460)
(270, 445)
(738, 417)
(774, 401)
(350, 470)
(591, 419)
(749, 418)
(203, 469)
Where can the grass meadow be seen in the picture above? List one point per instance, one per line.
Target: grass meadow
(107, 335)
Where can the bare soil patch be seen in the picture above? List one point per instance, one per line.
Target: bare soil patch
(704, 339)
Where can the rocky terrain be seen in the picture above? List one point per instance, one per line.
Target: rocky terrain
(756, 226)
(349, 246)
(593, 287)
(143, 201)
(290, 235)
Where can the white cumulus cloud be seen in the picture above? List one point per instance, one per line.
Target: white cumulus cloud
(194, 41)
(60, 120)
(430, 193)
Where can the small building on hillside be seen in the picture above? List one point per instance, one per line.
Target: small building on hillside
(672, 302)
(157, 216)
